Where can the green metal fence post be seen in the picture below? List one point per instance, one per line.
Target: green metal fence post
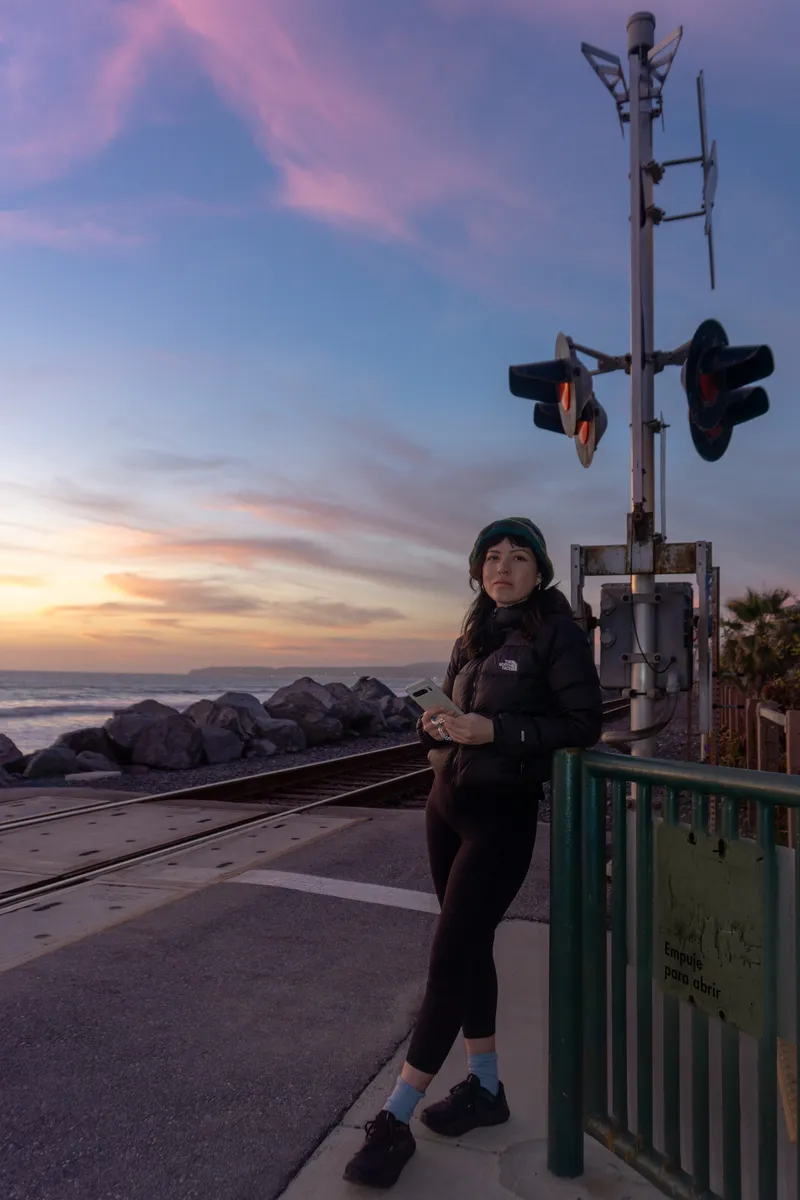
(565, 1075)
(768, 1043)
(595, 954)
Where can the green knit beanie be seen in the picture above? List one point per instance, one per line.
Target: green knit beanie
(521, 530)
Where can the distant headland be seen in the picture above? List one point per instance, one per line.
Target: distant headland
(420, 670)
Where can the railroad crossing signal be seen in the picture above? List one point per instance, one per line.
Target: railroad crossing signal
(715, 377)
(563, 395)
(592, 425)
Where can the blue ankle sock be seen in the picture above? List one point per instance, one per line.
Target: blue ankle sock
(403, 1100)
(485, 1067)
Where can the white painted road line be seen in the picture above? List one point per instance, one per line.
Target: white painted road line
(344, 889)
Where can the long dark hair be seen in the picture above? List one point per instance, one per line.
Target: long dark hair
(476, 631)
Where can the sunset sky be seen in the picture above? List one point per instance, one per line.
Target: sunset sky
(263, 267)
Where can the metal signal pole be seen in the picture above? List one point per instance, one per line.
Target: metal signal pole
(643, 648)
(641, 520)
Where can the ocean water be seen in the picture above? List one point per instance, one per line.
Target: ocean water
(37, 706)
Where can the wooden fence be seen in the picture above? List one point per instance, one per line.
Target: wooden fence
(771, 740)
(770, 736)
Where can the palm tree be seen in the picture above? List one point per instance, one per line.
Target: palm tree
(762, 640)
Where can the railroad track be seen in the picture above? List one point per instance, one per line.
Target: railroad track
(368, 772)
(358, 779)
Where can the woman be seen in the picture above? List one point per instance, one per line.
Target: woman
(524, 677)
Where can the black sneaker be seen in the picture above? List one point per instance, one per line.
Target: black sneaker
(388, 1146)
(468, 1106)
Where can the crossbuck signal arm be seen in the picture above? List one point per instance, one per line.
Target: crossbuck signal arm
(608, 68)
(660, 59)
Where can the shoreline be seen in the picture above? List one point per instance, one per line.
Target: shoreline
(38, 725)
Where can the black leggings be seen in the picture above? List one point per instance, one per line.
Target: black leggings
(480, 849)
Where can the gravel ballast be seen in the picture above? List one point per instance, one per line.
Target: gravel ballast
(156, 782)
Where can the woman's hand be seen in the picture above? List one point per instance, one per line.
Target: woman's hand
(469, 729)
(428, 717)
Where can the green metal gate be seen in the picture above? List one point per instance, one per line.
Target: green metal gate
(588, 787)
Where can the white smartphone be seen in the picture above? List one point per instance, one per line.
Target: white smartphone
(427, 695)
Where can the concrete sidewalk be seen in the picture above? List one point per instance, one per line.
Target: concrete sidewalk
(487, 1164)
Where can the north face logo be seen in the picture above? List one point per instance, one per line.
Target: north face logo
(508, 664)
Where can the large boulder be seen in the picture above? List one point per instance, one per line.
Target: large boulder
(199, 711)
(89, 761)
(370, 688)
(8, 751)
(311, 706)
(307, 688)
(222, 716)
(123, 731)
(54, 761)
(286, 736)
(172, 743)
(91, 740)
(360, 715)
(240, 719)
(260, 748)
(6, 780)
(346, 705)
(320, 729)
(249, 710)
(220, 745)
(17, 766)
(148, 708)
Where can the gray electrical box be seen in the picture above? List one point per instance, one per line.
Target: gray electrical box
(674, 632)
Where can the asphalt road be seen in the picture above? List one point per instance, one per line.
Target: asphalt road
(205, 1049)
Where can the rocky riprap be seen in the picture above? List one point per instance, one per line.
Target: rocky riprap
(260, 737)
(230, 735)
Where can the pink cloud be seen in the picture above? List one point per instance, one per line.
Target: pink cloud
(334, 195)
(119, 226)
(192, 595)
(68, 80)
(371, 136)
(376, 124)
(367, 137)
(68, 231)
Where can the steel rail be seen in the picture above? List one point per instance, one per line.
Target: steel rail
(16, 897)
(237, 790)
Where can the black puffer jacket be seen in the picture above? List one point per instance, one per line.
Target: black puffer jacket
(541, 695)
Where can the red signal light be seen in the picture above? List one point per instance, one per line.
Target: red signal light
(709, 388)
